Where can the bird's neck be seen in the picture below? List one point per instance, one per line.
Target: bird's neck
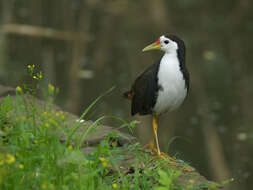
(170, 58)
(169, 69)
(170, 54)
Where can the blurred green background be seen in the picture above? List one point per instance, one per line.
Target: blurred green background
(86, 46)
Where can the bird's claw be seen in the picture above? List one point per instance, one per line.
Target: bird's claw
(172, 162)
(150, 147)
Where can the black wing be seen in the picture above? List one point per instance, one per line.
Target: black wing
(145, 91)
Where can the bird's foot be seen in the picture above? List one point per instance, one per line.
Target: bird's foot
(149, 146)
(172, 162)
(168, 158)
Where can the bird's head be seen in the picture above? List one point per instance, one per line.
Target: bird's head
(167, 43)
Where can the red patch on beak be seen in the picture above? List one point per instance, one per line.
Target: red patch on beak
(157, 42)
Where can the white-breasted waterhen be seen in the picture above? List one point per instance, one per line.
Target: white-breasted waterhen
(164, 85)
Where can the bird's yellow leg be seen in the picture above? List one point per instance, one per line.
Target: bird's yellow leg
(155, 128)
(150, 145)
(159, 153)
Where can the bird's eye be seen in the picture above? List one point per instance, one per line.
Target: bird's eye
(166, 41)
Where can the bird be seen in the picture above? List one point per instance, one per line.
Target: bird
(163, 86)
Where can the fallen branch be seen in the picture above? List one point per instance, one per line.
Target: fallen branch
(42, 32)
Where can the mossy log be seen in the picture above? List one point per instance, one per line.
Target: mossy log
(128, 163)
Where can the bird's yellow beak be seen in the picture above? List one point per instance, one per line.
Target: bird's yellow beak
(153, 46)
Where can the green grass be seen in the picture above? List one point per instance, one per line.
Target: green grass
(32, 155)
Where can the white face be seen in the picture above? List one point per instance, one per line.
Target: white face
(168, 45)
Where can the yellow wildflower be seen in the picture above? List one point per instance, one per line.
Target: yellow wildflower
(51, 186)
(43, 185)
(70, 147)
(34, 77)
(10, 159)
(57, 114)
(29, 66)
(19, 89)
(114, 186)
(51, 88)
(53, 122)
(40, 75)
(21, 166)
(105, 164)
(46, 125)
(104, 161)
(63, 117)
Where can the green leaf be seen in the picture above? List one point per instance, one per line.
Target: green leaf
(164, 178)
(75, 157)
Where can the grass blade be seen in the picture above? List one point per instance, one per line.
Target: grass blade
(77, 124)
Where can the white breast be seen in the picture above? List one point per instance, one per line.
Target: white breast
(172, 90)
